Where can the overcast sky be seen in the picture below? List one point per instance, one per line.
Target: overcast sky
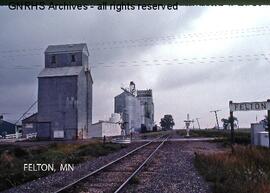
(195, 59)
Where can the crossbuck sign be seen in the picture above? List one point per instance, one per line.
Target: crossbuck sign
(250, 106)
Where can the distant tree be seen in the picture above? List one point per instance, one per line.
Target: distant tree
(167, 122)
(265, 122)
(235, 122)
(226, 123)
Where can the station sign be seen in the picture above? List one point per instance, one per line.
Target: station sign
(249, 106)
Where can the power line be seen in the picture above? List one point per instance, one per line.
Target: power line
(26, 112)
(150, 41)
(192, 60)
(161, 62)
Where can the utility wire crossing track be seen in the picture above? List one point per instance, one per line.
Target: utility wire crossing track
(114, 176)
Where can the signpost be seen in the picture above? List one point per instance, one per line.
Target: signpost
(248, 106)
(187, 122)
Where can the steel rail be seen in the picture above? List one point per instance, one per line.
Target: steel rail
(140, 167)
(105, 166)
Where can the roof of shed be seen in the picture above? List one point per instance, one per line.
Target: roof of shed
(102, 121)
(66, 48)
(30, 119)
(7, 127)
(61, 71)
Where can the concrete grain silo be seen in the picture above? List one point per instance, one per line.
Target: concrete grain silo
(129, 107)
(136, 108)
(146, 99)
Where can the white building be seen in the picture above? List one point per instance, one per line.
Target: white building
(106, 128)
(129, 107)
(137, 110)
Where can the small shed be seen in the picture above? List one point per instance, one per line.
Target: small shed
(263, 139)
(255, 129)
(30, 124)
(7, 128)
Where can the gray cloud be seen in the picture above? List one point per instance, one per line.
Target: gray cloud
(37, 29)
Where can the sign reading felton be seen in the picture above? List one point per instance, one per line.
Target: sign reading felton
(249, 106)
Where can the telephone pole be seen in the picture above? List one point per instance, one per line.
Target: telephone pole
(215, 111)
(197, 119)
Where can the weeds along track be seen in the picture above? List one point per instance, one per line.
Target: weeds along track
(114, 176)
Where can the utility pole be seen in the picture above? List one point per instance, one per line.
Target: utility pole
(215, 111)
(268, 123)
(197, 119)
(231, 120)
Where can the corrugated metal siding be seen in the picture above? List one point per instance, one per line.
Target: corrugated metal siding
(95, 130)
(82, 102)
(57, 104)
(130, 107)
(147, 110)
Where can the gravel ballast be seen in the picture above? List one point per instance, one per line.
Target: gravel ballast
(172, 170)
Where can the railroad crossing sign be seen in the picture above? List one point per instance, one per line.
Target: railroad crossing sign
(187, 122)
(249, 106)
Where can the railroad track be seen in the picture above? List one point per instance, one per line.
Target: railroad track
(114, 176)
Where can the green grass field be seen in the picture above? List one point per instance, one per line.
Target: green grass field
(242, 136)
(13, 158)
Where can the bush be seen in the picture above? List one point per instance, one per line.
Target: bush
(19, 152)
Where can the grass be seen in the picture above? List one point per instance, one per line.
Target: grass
(242, 136)
(154, 134)
(135, 180)
(245, 171)
(13, 158)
